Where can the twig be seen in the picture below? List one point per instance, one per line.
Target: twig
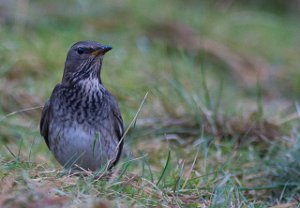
(133, 120)
(20, 111)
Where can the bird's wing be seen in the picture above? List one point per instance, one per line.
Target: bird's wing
(44, 124)
(117, 122)
(46, 115)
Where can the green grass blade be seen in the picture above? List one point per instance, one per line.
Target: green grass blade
(163, 174)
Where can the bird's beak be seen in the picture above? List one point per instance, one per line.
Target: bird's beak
(101, 50)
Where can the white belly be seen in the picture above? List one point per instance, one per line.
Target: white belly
(88, 149)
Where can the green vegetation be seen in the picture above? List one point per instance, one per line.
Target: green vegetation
(220, 124)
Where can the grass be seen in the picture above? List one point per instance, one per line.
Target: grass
(219, 126)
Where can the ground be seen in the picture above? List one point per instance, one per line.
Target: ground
(208, 92)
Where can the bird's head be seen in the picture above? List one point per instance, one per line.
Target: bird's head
(84, 61)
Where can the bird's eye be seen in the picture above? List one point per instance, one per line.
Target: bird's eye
(80, 50)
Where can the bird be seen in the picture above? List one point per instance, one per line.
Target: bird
(81, 122)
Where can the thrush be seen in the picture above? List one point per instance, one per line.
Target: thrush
(81, 122)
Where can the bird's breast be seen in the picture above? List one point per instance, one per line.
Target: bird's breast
(83, 105)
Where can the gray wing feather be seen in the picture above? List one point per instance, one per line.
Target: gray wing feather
(44, 124)
(46, 115)
(118, 127)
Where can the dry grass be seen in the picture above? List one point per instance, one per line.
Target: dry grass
(219, 127)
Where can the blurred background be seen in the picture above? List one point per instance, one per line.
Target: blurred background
(224, 73)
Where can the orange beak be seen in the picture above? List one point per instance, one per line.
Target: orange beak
(101, 50)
